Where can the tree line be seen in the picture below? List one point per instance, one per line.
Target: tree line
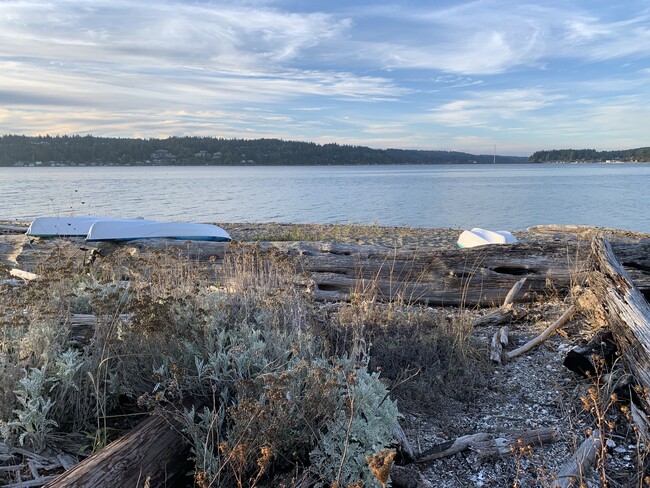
(566, 155)
(78, 150)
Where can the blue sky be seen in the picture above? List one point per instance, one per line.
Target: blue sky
(444, 75)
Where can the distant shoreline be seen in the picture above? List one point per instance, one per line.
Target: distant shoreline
(323, 165)
(258, 165)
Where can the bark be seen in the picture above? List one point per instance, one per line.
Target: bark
(627, 313)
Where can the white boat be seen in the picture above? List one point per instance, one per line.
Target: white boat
(481, 237)
(67, 226)
(510, 239)
(115, 230)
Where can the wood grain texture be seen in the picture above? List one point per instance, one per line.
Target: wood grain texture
(153, 453)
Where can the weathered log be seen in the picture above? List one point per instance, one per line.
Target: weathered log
(509, 444)
(489, 445)
(635, 259)
(154, 453)
(580, 358)
(449, 448)
(81, 326)
(506, 313)
(404, 449)
(13, 229)
(499, 341)
(572, 471)
(628, 316)
(543, 336)
(440, 277)
(195, 250)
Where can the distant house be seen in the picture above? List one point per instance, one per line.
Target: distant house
(162, 156)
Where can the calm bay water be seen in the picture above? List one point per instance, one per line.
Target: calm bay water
(491, 196)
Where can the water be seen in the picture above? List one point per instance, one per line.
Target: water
(460, 196)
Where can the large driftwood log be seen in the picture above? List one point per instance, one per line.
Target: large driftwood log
(627, 313)
(440, 277)
(154, 453)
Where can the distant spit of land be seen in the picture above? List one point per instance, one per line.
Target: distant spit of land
(18, 150)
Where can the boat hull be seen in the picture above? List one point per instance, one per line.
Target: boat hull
(129, 231)
(68, 226)
(481, 237)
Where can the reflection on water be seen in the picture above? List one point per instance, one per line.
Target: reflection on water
(491, 196)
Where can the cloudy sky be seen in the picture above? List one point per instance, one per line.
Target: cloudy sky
(448, 75)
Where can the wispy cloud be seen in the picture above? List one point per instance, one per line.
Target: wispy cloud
(403, 74)
(491, 108)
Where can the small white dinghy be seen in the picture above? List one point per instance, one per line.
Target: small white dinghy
(67, 226)
(115, 230)
(481, 237)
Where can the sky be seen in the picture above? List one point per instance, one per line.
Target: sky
(440, 75)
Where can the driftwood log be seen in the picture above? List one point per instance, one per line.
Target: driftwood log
(505, 313)
(580, 359)
(575, 468)
(478, 276)
(439, 277)
(564, 318)
(628, 316)
(489, 445)
(154, 453)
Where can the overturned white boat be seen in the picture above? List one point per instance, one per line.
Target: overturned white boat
(115, 230)
(481, 237)
(68, 226)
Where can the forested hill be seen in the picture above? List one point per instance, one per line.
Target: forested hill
(566, 155)
(90, 150)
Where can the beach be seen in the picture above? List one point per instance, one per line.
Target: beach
(405, 302)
